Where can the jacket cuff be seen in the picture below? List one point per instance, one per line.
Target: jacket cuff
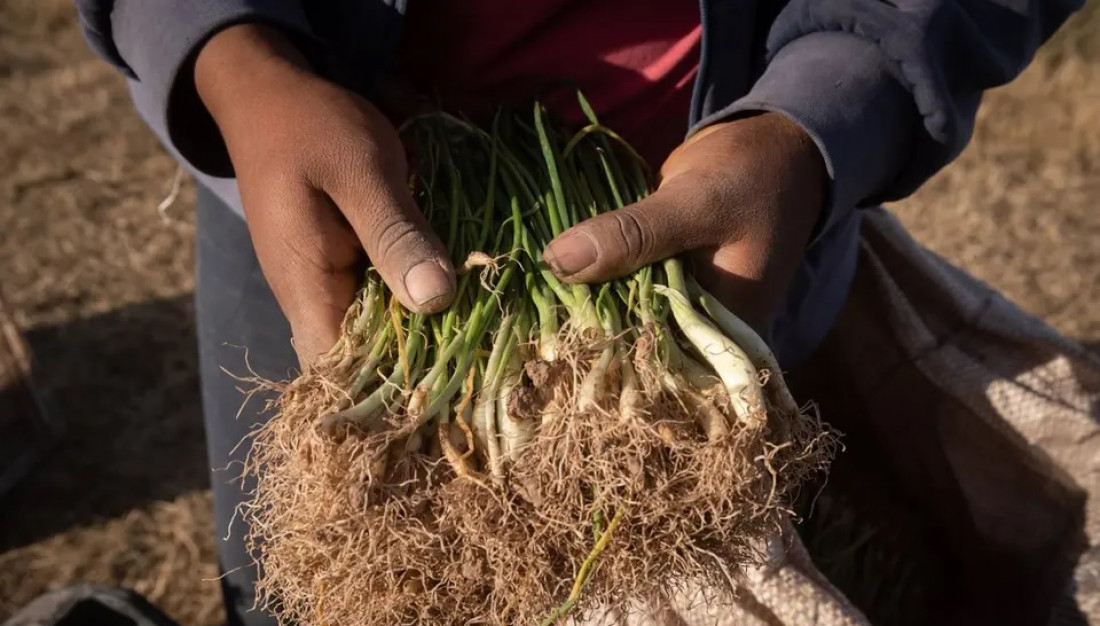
(842, 91)
(159, 39)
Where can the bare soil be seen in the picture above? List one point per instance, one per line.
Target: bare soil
(100, 282)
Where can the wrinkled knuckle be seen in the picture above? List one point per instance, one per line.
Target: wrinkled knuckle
(636, 234)
(393, 238)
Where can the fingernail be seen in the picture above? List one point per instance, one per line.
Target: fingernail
(427, 282)
(570, 253)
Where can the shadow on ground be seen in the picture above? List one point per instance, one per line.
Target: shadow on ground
(125, 386)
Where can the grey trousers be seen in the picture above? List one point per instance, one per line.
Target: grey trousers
(240, 329)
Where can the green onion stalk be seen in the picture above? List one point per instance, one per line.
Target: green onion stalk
(534, 409)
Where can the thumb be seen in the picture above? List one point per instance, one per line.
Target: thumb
(403, 248)
(617, 243)
(373, 196)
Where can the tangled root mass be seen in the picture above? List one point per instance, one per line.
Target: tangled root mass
(378, 527)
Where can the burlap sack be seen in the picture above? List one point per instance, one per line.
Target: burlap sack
(989, 421)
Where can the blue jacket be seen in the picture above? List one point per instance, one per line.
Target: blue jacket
(887, 89)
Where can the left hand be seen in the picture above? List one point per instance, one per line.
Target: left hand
(739, 199)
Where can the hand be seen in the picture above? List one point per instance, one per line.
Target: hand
(322, 176)
(739, 198)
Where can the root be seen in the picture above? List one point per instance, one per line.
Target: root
(394, 535)
(457, 461)
(490, 267)
(461, 415)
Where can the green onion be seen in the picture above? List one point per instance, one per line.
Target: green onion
(464, 466)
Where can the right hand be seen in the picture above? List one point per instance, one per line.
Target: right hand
(322, 176)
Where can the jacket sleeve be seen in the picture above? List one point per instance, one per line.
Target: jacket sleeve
(889, 90)
(154, 43)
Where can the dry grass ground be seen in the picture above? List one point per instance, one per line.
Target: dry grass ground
(101, 283)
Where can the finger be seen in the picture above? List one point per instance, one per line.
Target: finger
(738, 275)
(309, 257)
(614, 244)
(397, 238)
(751, 274)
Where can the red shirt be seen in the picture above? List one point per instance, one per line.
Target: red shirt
(635, 60)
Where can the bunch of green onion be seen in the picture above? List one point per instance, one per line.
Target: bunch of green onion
(641, 409)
